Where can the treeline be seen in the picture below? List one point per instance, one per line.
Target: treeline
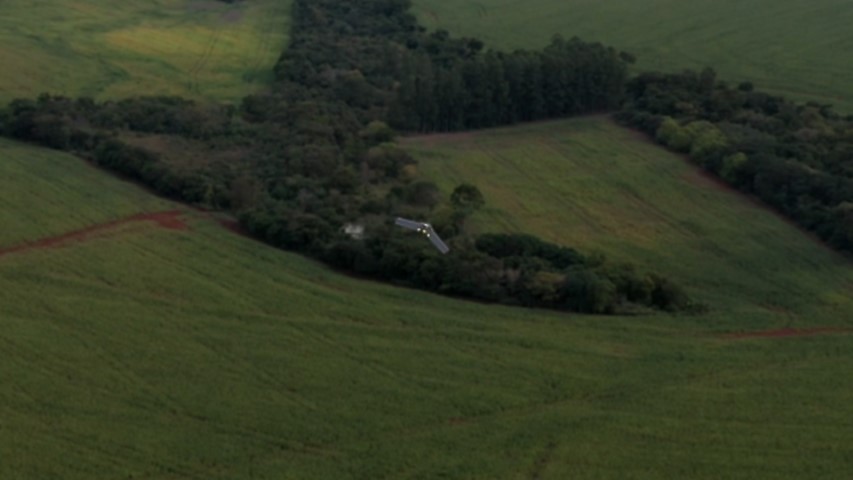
(796, 158)
(64, 123)
(496, 88)
(320, 157)
(91, 130)
(509, 269)
(374, 57)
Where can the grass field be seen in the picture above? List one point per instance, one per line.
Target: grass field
(203, 49)
(181, 350)
(791, 47)
(591, 184)
(45, 193)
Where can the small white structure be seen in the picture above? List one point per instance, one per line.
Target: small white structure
(354, 230)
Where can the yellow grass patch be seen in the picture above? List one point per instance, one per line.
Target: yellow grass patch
(202, 50)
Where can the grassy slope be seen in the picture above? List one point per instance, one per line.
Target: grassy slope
(45, 193)
(199, 49)
(591, 184)
(788, 47)
(202, 354)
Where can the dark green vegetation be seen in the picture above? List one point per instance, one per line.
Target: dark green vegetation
(497, 88)
(370, 59)
(159, 353)
(194, 48)
(796, 158)
(795, 48)
(314, 154)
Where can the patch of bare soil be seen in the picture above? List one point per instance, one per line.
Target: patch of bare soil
(433, 139)
(170, 220)
(703, 179)
(789, 332)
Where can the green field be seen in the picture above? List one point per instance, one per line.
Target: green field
(141, 338)
(591, 184)
(39, 187)
(791, 47)
(203, 49)
(148, 352)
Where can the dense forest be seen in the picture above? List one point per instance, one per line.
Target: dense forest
(796, 158)
(497, 88)
(316, 153)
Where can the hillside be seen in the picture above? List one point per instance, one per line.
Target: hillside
(798, 49)
(143, 338)
(203, 49)
(590, 184)
(47, 193)
(166, 346)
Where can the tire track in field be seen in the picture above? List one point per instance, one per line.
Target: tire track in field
(268, 25)
(48, 366)
(88, 338)
(482, 11)
(56, 428)
(158, 400)
(544, 459)
(788, 332)
(169, 220)
(40, 428)
(200, 61)
(161, 402)
(590, 399)
(262, 375)
(204, 58)
(579, 210)
(353, 355)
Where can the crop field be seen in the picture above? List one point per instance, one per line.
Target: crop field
(141, 339)
(202, 49)
(791, 47)
(590, 184)
(40, 187)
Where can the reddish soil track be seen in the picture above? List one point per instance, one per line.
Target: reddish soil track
(789, 332)
(233, 226)
(702, 178)
(170, 220)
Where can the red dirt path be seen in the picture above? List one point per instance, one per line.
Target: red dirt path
(789, 332)
(169, 220)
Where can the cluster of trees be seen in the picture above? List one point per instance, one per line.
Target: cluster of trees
(92, 130)
(496, 88)
(71, 124)
(540, 273)
(374, 57)
(796, 158)
(320, 155)
(509, 269)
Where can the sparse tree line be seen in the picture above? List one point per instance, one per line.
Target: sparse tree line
(796, 158)
(321, 154)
